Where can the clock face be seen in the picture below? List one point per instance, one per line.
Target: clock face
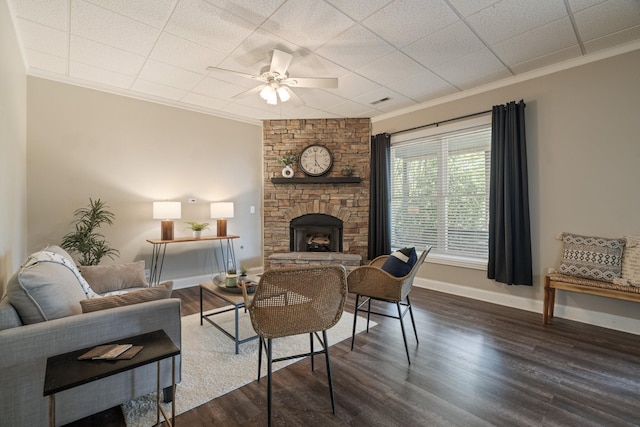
(316, 160)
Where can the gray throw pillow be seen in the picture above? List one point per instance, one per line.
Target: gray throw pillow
(109, 278)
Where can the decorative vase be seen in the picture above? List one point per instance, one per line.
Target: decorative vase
(231, 281)
(197, 234)
(287, 172)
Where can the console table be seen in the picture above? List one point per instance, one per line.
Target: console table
(65, 371)
(160, 247)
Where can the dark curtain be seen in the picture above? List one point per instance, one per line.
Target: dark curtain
(379, 197)
(509, 224)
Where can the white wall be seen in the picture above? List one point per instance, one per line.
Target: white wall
(583, 137)
(13, 140)
(84, 143)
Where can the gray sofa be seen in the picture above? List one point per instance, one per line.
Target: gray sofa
(41, 315)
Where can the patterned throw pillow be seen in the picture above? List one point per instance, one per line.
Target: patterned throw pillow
(400, 262)
(630, 263)
(595, 258)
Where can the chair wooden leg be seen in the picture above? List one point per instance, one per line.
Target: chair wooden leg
(269, 372)
(355, 317)
(404, 335)
(326, 354)
(413, 321)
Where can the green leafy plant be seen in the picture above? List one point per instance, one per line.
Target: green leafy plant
(198, 226)
(243, 271)
(85, 240)
(347, 170)
(288, 159)
(231, 271)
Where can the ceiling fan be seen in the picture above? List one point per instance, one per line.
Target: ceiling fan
(276, 82)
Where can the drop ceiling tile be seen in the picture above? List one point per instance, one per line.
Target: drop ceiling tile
(394, 99)
(158, 90)
(350, 109)
(405, 21)
(44, 61)
(358, 9)
(578, 5)
(512, 17)
(318, 98)
(109, 58)
(99, 75)
(612, 40)
(168, 75)
(308, 64)
(352, 85)
(444, 45)
(308, 23)
(395, 66)
(52, 13)
(466, 7)
(208, 25)
(423, 86)
(218, 88)
(182, 53)
(255, 51)
(205, 101)
(606, 18)
(543, 40)
(464, 70)
(355, 47)
(150, 12)
(44, 39)
(255, 12)
(110, 28)
(545, 60)
(478, 80)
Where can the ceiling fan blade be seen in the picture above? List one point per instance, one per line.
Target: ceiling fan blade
(280, 62)
(328, 83)
(237, 73)
(246, 93)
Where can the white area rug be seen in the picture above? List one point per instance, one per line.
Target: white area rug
(210, 367)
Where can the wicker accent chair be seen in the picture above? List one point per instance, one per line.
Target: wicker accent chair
(373, 283)
(293, 301)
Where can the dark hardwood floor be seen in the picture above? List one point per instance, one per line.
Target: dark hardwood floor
(477, 364)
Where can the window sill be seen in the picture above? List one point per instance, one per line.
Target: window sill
(457, 261)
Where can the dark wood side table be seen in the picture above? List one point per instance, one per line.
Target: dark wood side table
(160, 247)
(65, 371)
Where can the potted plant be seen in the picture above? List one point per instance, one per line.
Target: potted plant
(347, 170)
(231, 279)
(288, 160)
(197, 228)
(85, 239)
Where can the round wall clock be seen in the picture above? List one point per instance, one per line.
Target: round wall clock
(316, 160)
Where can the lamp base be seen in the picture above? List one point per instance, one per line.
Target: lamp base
(167, 230)
(222, 227)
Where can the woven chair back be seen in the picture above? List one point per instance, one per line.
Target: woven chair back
(292, 301)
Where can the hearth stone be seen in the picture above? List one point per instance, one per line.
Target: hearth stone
(297, 259)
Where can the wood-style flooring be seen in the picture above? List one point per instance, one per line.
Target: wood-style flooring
(477, 364)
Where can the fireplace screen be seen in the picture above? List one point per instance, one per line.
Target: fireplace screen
(315, 233)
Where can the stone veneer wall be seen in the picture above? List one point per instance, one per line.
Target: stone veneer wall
(349, 141)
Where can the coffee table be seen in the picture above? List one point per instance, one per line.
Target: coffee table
(65, 371)
(236, 301)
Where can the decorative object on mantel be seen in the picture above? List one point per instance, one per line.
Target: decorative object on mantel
(222, 211)
(347, 170)
(288, 160)
(197, 228)
(316, 160)
(231, 279)
(166, 211)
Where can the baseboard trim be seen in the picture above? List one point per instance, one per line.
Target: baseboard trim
(605, 320)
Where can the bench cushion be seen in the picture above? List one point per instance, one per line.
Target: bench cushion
(590, 257)
(557, 277)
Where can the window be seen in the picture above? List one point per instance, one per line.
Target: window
(440, 191)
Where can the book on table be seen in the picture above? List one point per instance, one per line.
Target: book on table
(111, 352)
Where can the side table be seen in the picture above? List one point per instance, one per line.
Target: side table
(236, 301)
(65, 371)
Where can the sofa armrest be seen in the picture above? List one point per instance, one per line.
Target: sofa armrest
(25, 350)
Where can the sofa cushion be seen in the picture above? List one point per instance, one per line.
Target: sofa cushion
(590, 257)
(108, 278)
(153, 293)
(46, 287)
(400, 262)
(8, 315)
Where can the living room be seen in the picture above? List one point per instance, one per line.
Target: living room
(63, 144)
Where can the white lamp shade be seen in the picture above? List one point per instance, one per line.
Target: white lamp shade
(167, 210)
(222, 210)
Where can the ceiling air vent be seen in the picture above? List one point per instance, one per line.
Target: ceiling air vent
(386, 98)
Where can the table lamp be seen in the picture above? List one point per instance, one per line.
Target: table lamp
(166, 211)
(221, 211)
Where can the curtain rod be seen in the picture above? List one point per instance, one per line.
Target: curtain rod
(439, 123)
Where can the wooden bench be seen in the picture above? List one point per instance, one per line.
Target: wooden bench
(586, 286)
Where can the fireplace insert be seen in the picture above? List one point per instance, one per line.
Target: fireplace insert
(315, 233)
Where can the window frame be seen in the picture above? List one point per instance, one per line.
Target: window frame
(409, 137)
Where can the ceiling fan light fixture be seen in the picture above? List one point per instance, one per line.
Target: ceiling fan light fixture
(283, 93)
(267, 92)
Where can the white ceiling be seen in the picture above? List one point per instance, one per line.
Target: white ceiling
(410, 51)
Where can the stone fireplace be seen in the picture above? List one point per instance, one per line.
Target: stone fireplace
(291, 205)
(315, 233)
